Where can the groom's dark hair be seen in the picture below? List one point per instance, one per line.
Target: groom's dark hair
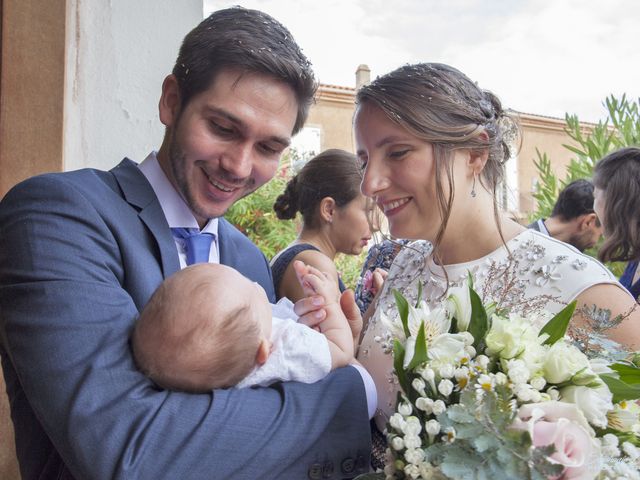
(249, 41)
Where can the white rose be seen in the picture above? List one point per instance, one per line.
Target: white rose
(424, 404)
(397, 443)
(439, 407)
(411, 426)
(404, 409)
(412, 441)
(414, 455)
(508, 337)
(563, 362)
(593, 402)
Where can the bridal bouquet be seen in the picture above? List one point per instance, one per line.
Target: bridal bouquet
(485, 394)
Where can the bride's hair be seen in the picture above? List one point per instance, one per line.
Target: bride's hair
(440, 105)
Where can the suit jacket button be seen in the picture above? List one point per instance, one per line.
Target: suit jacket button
(348, 465)
(315, 471)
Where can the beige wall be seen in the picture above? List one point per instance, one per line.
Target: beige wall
(333, 113)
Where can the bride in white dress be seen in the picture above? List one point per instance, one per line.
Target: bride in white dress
(433, 146)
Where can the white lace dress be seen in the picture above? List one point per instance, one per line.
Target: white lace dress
(539, 273)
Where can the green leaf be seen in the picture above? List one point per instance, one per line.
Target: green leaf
(479, 324)
(627, 372)
(403, 311)
(398, 360)
(619, 389)
(420, 355)
(557, 326)
(419, 297)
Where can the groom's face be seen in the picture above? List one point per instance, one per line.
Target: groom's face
(228, 140)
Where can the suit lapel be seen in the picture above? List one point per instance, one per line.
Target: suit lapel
(137, 191)
(229, 254)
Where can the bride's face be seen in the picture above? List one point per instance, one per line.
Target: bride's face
(399, 174)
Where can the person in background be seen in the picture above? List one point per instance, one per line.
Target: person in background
(326, 191)
(374, 270)
(573, 219)
(82, 252)
(617, 202)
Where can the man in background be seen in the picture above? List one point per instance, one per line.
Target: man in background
(573, 219)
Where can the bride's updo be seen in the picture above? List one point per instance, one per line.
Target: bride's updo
(334, 173)
(440, 105)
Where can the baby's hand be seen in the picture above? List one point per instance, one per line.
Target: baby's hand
(315, 282)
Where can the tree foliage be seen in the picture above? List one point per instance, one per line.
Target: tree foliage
(620, 129)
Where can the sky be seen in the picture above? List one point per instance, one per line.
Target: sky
(546, 57)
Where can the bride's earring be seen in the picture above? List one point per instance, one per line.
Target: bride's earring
(473, 187)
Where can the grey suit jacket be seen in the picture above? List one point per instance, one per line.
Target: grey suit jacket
(80, 255)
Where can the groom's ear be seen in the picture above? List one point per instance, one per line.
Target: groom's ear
(327, 209)
(169, 105)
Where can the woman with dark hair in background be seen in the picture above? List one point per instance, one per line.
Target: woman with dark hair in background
(617, 203)
(326, 192)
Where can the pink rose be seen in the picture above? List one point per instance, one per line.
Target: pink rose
(563, 425)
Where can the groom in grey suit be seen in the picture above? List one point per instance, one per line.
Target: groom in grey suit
(81, 253)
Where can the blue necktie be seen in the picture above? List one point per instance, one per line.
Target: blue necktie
(196, 244)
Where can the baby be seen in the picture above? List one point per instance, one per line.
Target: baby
(208, 326)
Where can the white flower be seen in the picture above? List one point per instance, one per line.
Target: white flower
(397, 443)
(517, 371)
(486, 382)
(405, 409)
(445, 387)
(419, 386)
(563, 362)
(610, 439)
(500, 378)
(600, 365)
(538, 383)
(509, 337)
(482, 361)
(425, 404)
(414, 455)
(412, 426)
(412, 441)
(446, 371)
(631, 450)
(593, 402)
(439, 407)
(446, 349)
(625, 417)
(397, 421)
(432, 427)
(459, 304)
(412, 471)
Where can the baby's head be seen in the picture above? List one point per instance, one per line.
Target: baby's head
(205, 327)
